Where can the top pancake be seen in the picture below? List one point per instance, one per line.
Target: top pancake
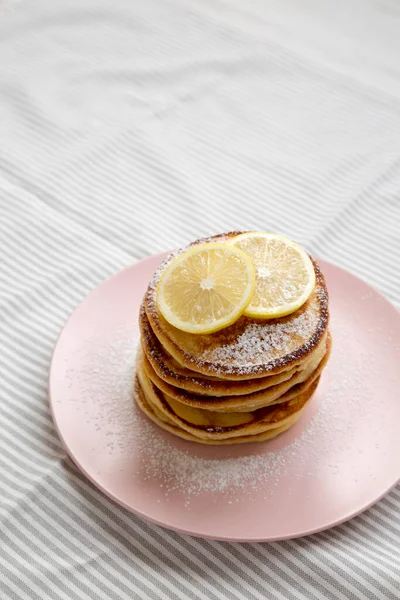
(249, 348)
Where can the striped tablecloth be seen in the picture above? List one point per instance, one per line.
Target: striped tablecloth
(129, 127)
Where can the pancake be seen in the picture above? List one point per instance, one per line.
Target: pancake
(247, 402)
(250, 348)
(266, 424)
(164, 423)
(170, 371)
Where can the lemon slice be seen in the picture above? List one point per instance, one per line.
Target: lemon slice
(285, 275)
(206, 288)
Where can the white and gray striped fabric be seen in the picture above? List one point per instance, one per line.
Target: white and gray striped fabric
(130, 127)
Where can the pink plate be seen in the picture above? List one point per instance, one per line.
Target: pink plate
(341, 457)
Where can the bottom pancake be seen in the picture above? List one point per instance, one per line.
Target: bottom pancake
(162, 421)
(208, 425)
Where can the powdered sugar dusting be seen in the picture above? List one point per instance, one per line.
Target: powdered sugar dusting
(191, 475)
(260, 339)
(106, 377)
(105, 383)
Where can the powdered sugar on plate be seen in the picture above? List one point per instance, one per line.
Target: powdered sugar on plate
(191, 475)
(181, 467)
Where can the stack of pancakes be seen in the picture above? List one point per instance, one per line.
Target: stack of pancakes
(247, 382)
